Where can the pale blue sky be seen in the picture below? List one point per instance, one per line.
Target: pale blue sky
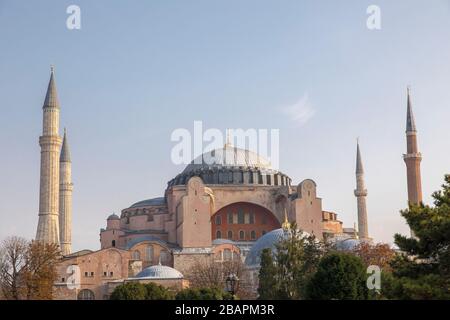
(137, 70)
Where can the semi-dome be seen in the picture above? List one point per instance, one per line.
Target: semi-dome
(159, 272)
(267, 241)
(231, 165)
(160, 201)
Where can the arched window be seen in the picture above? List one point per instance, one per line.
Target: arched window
(113, 243)
(218, 220)
(136, 255)
(86, 294)
(218, 234)
(253, 235)
(230, 235)
(149, 253)
(241, 235)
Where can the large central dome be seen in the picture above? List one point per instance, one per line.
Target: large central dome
(228, 156)
(231, 165)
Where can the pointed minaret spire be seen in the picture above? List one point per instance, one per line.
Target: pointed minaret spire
(65, 197)
(359, 165)
(51, 98)
(65, 152)
(361, 194)
(410, 122)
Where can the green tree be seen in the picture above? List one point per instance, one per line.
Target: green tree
(212, 293)
(296, 259)
(129, 291)
(340, 276)
(157, 292)
(267, 289)
(423, 270)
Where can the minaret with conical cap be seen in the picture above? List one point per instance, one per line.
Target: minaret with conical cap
(65, 197)
(50, 142)
(413, 157)
(361, 194)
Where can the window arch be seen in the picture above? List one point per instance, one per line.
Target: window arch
(253, 235)
(86, 294)
(113, 243)
(230, 234)
(241, 235)
(218, 234)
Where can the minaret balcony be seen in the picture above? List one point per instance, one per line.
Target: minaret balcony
(361, 193)
(417, 155)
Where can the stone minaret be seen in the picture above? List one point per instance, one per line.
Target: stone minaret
(412, 158)
(361, 194)
(50, 142)
(65, 198)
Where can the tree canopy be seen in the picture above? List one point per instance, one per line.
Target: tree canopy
(340, 276)
(423, 270)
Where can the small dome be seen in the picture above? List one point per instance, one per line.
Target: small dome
(159, 272)
(113, 217)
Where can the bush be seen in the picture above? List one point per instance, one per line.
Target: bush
(129, 291)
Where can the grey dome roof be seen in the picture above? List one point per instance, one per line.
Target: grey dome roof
(348, 244)
(231, 165)
(267, 241)
(113, 217)
(219, 241)
(228, 156)
(159, 272)
(160, 201)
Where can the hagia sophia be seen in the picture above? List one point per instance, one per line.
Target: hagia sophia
(228, 210)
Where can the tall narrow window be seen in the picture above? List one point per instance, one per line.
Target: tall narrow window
(113, 243)
(230, 218)
(252, 218)
(149, 253)
(230, 235)
(241, 235)
(253, 235)
(218, 234)
(218, 220)
(241, 217)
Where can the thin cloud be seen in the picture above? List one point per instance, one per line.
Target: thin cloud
(301, 111)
